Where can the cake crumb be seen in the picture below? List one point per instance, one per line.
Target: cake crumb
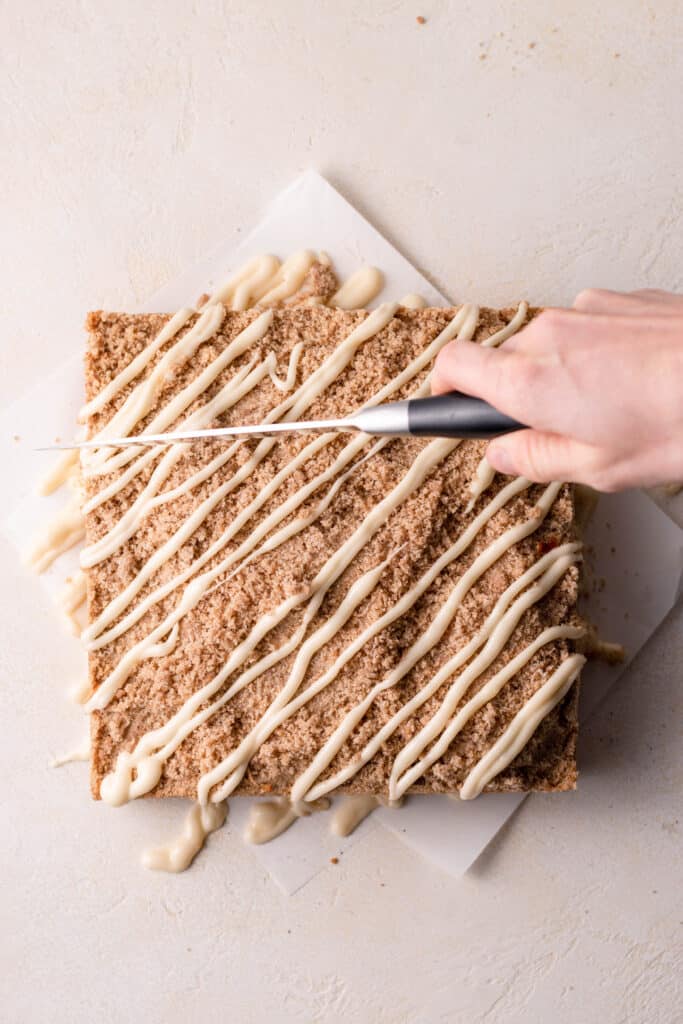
(334, 860)
(532, 46)
(420, 20)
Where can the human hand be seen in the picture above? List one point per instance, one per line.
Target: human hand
(600, 386)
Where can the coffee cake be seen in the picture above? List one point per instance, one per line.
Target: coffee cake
(304, 616)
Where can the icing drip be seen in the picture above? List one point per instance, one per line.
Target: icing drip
(73, 598)
(359, 289)
(289, 278)
(178, 854)
(413, 301)
(63, 471)
(79, 753)
(65, 530)
(270, 818)
(80, 691)
(351, 811)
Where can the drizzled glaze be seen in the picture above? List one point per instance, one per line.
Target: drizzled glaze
(270, 818)
(137, 772)
(360, 289)
(178, 854)
(351, 811)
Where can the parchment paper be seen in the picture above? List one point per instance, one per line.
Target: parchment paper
(638, 549)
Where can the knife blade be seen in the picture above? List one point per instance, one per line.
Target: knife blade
(450, 415)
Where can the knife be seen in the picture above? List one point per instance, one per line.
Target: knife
(450, 415)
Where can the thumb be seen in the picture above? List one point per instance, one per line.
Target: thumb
(543, 457)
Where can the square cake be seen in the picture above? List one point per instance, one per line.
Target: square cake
(315, 614)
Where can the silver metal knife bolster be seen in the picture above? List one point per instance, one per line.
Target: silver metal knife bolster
(391, 418)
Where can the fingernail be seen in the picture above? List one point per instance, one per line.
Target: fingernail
(500, 460)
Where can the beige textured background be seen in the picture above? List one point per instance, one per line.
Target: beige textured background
(507, 148)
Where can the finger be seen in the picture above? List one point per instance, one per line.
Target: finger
(638, 303)
(502, 378)
(659, 300)
(604, 300)
(543, 457)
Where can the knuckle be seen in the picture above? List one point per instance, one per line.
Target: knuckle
(536, 456)
(552, 319)
(588, 298)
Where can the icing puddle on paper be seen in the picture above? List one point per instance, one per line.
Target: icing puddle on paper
(262, 281)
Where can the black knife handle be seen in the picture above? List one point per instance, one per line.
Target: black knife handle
(457, 415)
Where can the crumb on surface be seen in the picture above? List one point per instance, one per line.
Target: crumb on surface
(421, 20)
(334, 860)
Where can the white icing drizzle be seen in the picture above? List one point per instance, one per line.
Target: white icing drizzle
(463, 324)
(421, 647)
(136, 365)
(510, 328)
(119, 785)
(80, 691)
(79, 753)
(482, 697)
(481, 481)
(142, 398)
(348, 815)
(522, 727)
(358, 290)
(75, 593)
(288, 279)
(413, 301)
(164, 647)
(178, 854)
(290, 380)
(64, 469)
(296, 405)
(72, 601)
(240, 385)
(65, 530)
(270, 722)
(270, 818)
(179, 403)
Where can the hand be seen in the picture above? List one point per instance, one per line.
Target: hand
(600, 385)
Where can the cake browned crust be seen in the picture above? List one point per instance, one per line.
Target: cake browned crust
(418, 531)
